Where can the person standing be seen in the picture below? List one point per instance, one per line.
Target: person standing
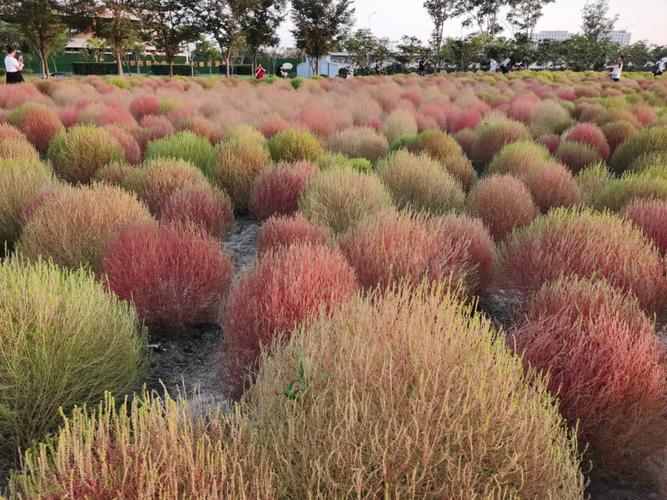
(493, 65)
(259, 72)
(422, 65)
(13, 66)
(617, 71)
(505, 65)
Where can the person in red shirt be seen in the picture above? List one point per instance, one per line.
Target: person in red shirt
(259, 72)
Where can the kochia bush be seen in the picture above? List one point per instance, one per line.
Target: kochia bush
(183, 145)
(290, 145)
(38, 122)
(282, 231)
(651, 217)
(202, 206)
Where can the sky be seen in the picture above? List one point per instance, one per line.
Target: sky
(645, 19)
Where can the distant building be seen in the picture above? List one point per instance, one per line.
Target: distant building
(620, 37)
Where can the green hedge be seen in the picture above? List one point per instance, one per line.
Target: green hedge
(93, 68)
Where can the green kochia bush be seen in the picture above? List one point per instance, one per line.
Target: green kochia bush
(290, 145)
(184, 145)
(619, 192)
(647, 141)
(65, 341)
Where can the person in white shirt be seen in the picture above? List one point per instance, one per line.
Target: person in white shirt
(493, 66)
(617, 71)
(13, 66)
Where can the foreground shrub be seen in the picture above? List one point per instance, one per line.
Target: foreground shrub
(651, 217)
(66, 340)
(359, 142)
(585, 244)
(79, 152)
(277, 188)
(358, 381)
(503, 203)
(577, 156)
(281, 291)
(646, 141)
(239, 163)
(159, 179)
(493, 134)
(166, 448)
(290, 145)
(519, 159)
(619, 192)
(202, 206)
(420, 183)
(183, 145)
(591, 135)
(341, 197)
(175, 277)
(605, 364)
(20, 182)
(591, 180)
(282, 231)
(72, 227)
(38, 123)
(17, 148)
(390, 248)
(552, 185)
(397, 124)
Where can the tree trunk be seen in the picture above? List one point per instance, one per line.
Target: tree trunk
(119, 63)
(43, 62)
(171, 67)
(228, 58)
(254, 61)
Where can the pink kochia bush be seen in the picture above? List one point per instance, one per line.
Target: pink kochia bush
(503, 203)
(651, 217)
(282, 231)
(591, 135)
(606, 366)
(391, 248)
(567, 242)
(277, 189)
(38, 122)
(283, 290)
(552, 185)
(144, 105)
(200, 205)
(175, 277)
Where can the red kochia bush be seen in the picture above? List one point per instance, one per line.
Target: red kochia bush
(605, 364)
(282, 231)
(552, 185)
(273, 125)
(390, 248)
(283, 290)
(204, 206)
(584, 244)
(175, 277)
(493, 134)
(503, 203)
(153, 128)
(127, 143)
(38, 122)
(144, 105)
(277, 189)
(651, 217)
(591, 135)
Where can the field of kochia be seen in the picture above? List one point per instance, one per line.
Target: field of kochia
(459, 288)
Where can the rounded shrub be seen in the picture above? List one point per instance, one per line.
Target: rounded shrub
(494, 133)
(239, 163)
(549, 141)
(619, 192)
(375, 374)
(72, 227)
(651, 217)
(17, 148)
(605, 364)
(503, 203)
(121, 174)
(277, 188)
(359, 142)
(79, 152)
(129, 145)
(203, 127)
(647, 141)
(159, 179)
(281, 291)
(291, 145)
(144, 105)
(66, 341)
(591, 135)
(341, 197)
(420, 183)
(586, 244)
(519, 159)
(618, 132)
(200, 453)
(283, 231)
(549, 116)
(397, 124)
(38, 123)
(175, 277)
(154, 127)
(202, 206)
(576, 155)
(391, 248)
(591, 180)
(552, 185)
(183, 145)
(21, 180)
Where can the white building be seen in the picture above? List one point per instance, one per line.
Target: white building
(620, 37)
(555, 36)
(330, 65)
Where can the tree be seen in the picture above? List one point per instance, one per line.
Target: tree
(207, 52)
(261, 26)
(440, 11)
(596, 20)
(637, 55)
(117, 23)
(524, 14)
(224, 20)
(168, 24)
(361, 45)
(464, 52)
(320, 24)
(40, 22)
(94, 47)
(482, 13)
(410, 49)
(10, 35)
